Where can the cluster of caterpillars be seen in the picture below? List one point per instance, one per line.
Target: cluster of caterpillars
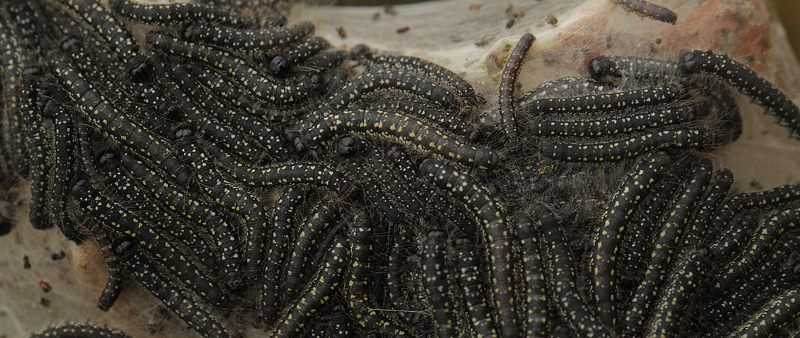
(358, 194)
(674, 254)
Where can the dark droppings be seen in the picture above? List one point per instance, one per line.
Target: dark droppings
(226, 156)
(58, 256)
